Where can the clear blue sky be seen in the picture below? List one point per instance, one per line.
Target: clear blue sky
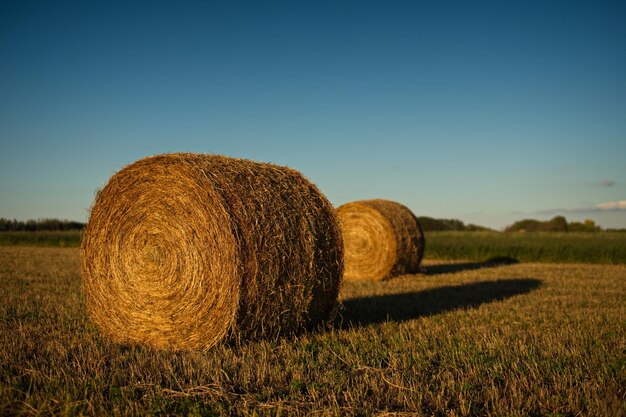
(488, 112)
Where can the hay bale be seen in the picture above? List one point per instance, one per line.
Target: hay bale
(184, 250)
(381, 238)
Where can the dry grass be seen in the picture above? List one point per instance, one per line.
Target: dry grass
(182, 250)
(521, 339)
(382, 239)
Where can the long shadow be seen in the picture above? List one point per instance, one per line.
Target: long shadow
(468, 266)
(408, 306)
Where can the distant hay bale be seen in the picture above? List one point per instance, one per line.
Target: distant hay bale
(381, 238)
(184, 250)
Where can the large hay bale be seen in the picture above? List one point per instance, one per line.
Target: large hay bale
(382, 239)
(183, 250)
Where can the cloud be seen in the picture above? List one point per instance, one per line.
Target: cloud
(607, 183)
(612, 205)
(608, 206)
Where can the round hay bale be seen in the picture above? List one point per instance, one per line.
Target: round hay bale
(382, 239)
(184, 250)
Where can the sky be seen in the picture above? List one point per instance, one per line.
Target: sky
(487, 112)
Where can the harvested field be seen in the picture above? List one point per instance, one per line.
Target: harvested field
(462, 339)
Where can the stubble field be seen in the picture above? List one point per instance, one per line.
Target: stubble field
(461, 338)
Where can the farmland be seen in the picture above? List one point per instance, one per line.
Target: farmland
(461, 338)
(601, 247)
(62, 239)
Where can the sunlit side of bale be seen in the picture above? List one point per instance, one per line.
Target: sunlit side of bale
(382, 239)
(184, 250)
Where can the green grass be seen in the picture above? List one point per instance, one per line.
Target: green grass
(602, 247)
(515, 340)
(62, 239)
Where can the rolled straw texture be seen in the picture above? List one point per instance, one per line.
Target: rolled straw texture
(382, 239)
(184, 250)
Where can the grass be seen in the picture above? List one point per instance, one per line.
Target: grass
(520, 339)
(62, 239)
(601, 247)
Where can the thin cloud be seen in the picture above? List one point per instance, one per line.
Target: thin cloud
(607, 183)
(608, 206)
(612, 205)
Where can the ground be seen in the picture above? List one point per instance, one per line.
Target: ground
(460, 338)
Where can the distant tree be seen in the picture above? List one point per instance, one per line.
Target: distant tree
(556, 224)
(7, 225)
(526, 225)
(430, 224)
(586, 226)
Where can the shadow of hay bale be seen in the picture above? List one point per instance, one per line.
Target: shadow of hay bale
(364, 311)
(468, 266)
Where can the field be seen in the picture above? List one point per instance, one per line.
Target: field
(62, 239)
(603, 247)
(462, 338)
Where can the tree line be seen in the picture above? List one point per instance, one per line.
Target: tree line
(556, 224)
(39, 225)
(429, 224)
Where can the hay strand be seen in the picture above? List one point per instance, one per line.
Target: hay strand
(184, 250)
(382, 239)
